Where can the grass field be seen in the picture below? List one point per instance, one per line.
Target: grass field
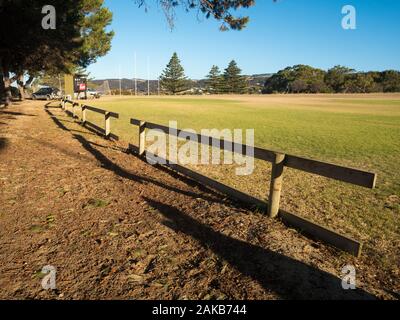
(354, 130)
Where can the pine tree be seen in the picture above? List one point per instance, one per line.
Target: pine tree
(214, 82)
(234, 82)
(173, 79)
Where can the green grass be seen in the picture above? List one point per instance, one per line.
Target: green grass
(350, 135)
(359, 130)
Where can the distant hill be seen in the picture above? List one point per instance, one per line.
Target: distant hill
(129, 84)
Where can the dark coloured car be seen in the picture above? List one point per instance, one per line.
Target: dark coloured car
(46, 94)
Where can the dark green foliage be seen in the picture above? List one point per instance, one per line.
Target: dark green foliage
(359, 83)
(24, 43)
(96, 40)
(27, 49)
(297, 79)
(218, 9)
(173, 78)
(336, 78)
(390, 81)
(339, 79)
(214, 82)
(234, 82)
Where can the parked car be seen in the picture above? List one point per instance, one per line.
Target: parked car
(93, 94)
(46, 94)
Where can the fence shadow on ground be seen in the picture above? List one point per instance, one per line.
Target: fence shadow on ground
(106, 163)
(134, 150)
(112, 166)
(11, 115)
(289, 278)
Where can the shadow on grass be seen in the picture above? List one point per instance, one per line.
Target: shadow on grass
(287, 277)
(110, 165)
(60, 122)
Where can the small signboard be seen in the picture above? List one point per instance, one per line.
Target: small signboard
(80, 84)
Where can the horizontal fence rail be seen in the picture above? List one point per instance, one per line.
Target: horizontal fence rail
(106, 131)
(328, 170)
(101, 111)
(279, 161)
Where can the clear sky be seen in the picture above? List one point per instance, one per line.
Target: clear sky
(279, 34)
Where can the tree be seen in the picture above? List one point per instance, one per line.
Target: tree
(26, 45)
(359, 83)
(390, 81)
(336, 78)
(298, 86)
(96, 41)
(214, 82)
(234, 82)
(306, 79)
(279, 82)
(220, 10)
(26, 49)
(173, 79)
(1, 86)
(297, 79)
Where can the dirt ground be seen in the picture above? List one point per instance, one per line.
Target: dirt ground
(115, 227)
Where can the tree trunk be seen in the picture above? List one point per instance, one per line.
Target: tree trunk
(7, 86)
(21, 87)
(2, 88)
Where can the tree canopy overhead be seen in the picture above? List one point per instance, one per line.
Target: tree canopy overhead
(26, 48)
(221, 10)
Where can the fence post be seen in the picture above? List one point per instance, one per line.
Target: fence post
(107, 124)
(276, 185)
(73, 111)
(142, 137)
(83, 114)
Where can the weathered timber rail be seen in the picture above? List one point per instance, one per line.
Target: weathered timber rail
(106, 131)
(279, 161)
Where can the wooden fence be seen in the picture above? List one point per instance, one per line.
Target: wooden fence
(279, 161)
(106, 131)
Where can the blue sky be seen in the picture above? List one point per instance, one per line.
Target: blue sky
(279, 34)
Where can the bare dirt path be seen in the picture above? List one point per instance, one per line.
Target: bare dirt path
(117, 228)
